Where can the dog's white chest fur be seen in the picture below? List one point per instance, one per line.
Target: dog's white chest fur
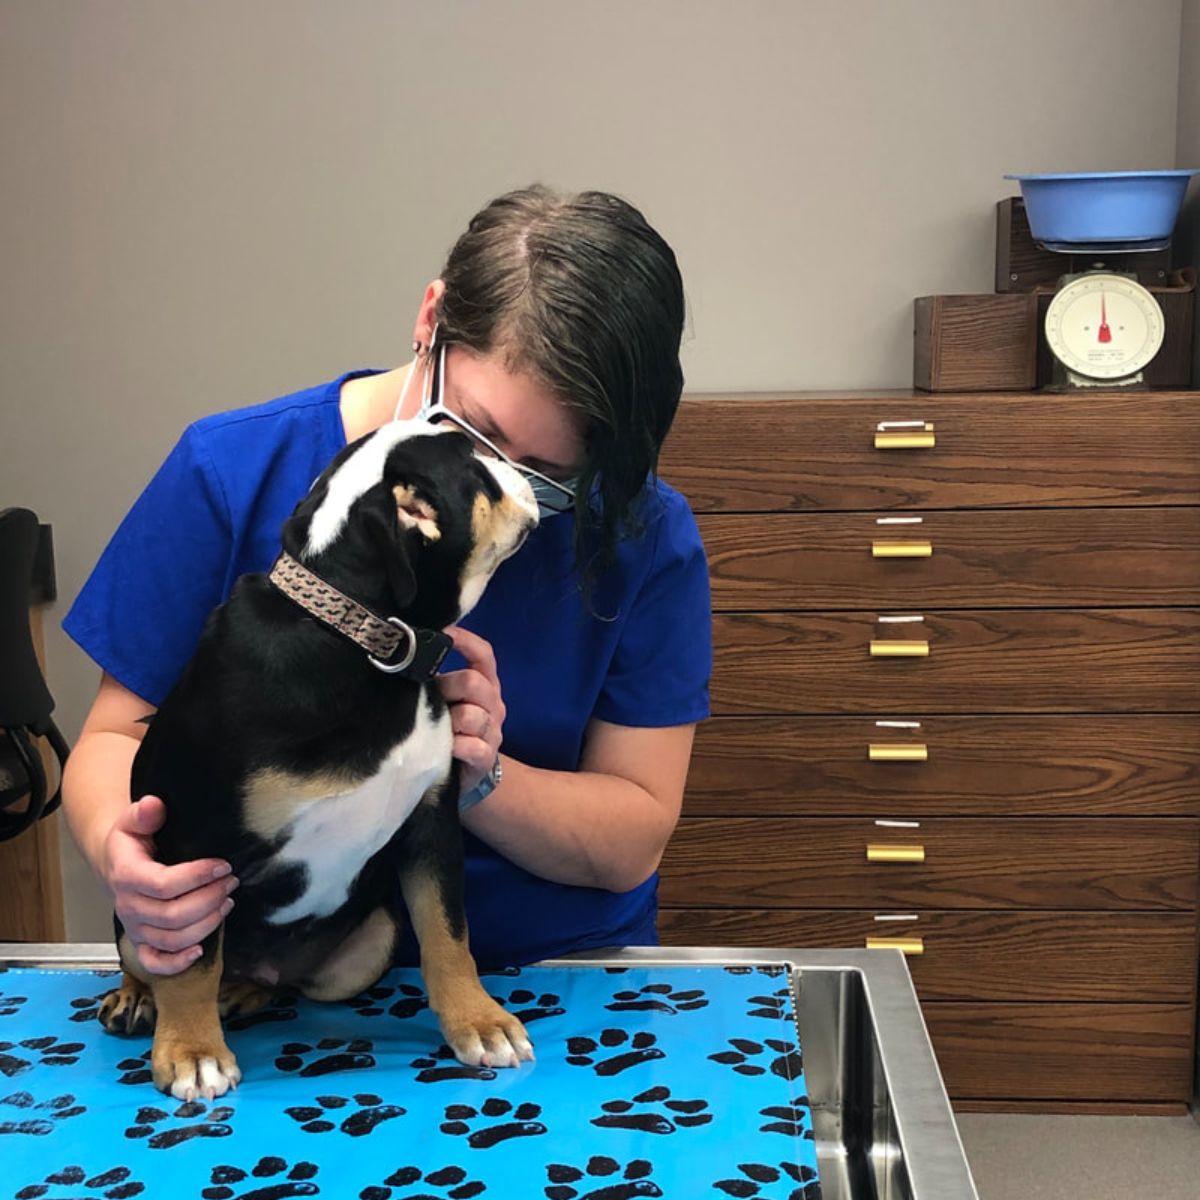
(333, 837)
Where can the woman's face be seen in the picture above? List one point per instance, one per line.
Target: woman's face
(516, 411)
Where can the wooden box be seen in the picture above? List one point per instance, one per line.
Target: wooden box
(981, 343)
(1022, 265)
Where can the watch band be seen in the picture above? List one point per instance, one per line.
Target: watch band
(484, 788)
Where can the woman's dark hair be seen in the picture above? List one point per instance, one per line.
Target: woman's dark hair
(579, 291)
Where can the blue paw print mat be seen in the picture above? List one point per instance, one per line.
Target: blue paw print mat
(676, 1081)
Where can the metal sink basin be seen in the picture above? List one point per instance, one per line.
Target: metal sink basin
(883, 1124)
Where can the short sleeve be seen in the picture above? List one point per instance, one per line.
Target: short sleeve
(662, 662)
(142, 610)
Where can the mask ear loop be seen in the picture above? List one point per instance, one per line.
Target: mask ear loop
(412, 371)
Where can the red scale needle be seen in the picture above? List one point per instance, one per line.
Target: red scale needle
(1105, 334)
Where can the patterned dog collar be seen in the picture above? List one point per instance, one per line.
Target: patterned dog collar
(392, 645)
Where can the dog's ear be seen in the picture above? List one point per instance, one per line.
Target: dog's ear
(414, 513)
(381, 522)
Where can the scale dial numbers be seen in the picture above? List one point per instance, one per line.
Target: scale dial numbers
(1104, 326)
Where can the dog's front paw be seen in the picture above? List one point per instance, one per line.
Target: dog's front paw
(191, 1070)
(482, 1034)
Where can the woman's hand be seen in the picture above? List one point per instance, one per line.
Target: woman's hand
(166, 911)
(476, 709)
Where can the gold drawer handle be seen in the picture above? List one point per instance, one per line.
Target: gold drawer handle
(898, 752)
(906, 439)
(906, 945)
(877, 853)
(901, 549)
(904, 648)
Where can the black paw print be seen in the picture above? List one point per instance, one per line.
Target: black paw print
(45, 1051)
(773, 970)
(294, 1183)
(87, 1008)
(370, 1003)
(451, 1182)
(760, 1175)
(10, 1005)
(787, 1065)
(633, 1181)
(368, 1116)
(775, 1007)
(507, 1122)
(137, 1069)
(36, 1119)
(642, 1049)
(657, 997)
(545, 1005)
(441, 1066)
(622, 1114)
(347, 1056)
(113, 1185)
(212, 1124)
(789, 1119)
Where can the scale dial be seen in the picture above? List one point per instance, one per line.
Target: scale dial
(1103, 326)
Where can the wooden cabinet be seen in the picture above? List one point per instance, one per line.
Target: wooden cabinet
(956, 700)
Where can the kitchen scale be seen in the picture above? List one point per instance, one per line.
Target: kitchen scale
(1102, 327)
(1103, 330)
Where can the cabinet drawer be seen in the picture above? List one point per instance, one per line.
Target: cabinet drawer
(968, 862)
(983, 766)
(995, 559)
(781, 454)
(1075, 660)
(1110, 1052)
(995, 955)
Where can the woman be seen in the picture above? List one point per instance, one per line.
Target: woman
(552, 334)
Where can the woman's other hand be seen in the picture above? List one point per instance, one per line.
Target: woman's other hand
(166, 911)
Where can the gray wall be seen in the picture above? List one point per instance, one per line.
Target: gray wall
(1187, 145)
(211, 202)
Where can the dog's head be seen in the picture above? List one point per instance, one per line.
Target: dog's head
(412, 520)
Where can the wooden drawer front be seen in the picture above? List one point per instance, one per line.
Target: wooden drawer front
(987, 766)
(1058, 558)
(1063, 1051)
(758, 454)
(995, 955)
(1115, 660)
(969, 862)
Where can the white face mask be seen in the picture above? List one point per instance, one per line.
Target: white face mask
(553, 498)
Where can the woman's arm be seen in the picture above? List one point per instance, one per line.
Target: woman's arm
(166, 911)
(605, 825)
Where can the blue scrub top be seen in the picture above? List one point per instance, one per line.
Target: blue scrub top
(640, 655)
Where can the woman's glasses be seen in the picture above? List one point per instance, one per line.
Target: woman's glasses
(550, 494)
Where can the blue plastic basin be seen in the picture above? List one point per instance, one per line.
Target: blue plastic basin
(1104, 206)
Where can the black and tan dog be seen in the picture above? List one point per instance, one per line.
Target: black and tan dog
(301, 746)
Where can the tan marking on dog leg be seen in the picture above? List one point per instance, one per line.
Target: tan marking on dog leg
(190, 1057)
(357, 963)
(478, 1030)
(273, 798)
